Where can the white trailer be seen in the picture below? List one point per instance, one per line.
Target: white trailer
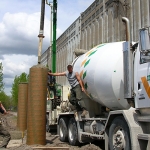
(116, 77)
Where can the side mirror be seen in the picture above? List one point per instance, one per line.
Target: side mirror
(144, 42)
(145, 39)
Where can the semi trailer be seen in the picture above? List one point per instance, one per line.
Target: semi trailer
(116, 77)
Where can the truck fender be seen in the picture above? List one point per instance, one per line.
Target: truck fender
(130, 117)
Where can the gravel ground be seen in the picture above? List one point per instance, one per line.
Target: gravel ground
(52, 140)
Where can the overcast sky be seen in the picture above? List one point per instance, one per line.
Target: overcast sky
(19, 28)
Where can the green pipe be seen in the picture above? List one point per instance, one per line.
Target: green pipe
(54, 36)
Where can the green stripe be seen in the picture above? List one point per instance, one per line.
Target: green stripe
(92, 53)
(87, 62)
(100, 45)
(85, 86)
(84, 74)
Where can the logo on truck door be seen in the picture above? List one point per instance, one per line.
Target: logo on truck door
(146, 85)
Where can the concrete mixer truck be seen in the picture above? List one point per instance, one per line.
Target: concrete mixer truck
(116, 77)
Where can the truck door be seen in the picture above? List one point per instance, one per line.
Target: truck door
(142, 78)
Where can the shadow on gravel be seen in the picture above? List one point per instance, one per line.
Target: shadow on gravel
(51, 141)
(95, 145)
(99, 144)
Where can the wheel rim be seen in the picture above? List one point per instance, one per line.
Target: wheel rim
(71, 132)
(119, 139)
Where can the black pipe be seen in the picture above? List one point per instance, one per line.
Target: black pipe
(42, 15)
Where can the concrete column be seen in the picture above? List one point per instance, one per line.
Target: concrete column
(68, 52)
(93, 38)
(79, 40)
(129, 13)
(110, 26)
(101, 30)
(86, 39)
(65, 56)
(105, 25)
(136, 18)
(96, 32)
(145, 12)
(81, 43)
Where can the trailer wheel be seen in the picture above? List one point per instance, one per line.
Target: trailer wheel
(119, 136)
(47, 123)
(73, 132)
(63, 129)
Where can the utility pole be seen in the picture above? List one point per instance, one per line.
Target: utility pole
(51, 21)
(41, 32)
(51, 28)
(54, 36)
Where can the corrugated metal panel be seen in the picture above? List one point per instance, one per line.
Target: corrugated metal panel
(105, 26)
(111, 27)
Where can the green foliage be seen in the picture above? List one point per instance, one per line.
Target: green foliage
(1, 78)
(18, 79)
(14, 90)
(6, 100)
(23, 77)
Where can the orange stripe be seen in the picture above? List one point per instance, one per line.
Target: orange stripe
(146, 86)
(89, 52)
(83, 62)
(81, 73)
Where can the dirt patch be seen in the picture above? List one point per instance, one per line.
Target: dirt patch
(52, 140)
(10, 122)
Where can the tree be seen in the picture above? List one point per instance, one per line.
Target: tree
(18, 79)
(6, 100)
(1, 78)
(24, 77)
(14, 91)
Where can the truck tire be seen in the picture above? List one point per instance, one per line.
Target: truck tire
(119, 135)
(47, 123)
(73, 132)
(63, 129)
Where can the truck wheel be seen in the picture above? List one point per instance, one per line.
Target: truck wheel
(47, 123)
(119, 135)
(73, 132)
(63, 129)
